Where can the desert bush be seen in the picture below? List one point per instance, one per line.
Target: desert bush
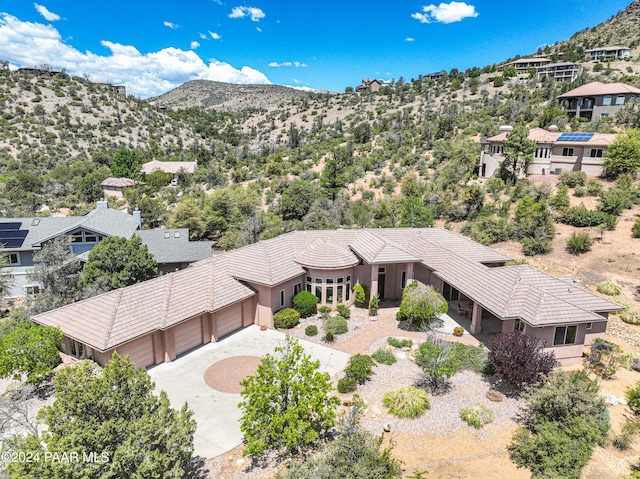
(343, 311)
(305, 303)
(535, 246)
(347, 384)
(594, 187)
(581, 217)
(399, 343)
(420, 304)
(519, 360)
(610, 288)
(458, 331)
(286, 318)
(604, 358)
(580, 191)
(374, 306)
(336, 324)
(488, 230)
(630, 317)
(329, 337)
(579, 243)
(629, 431)
(360, 367)
(406, 402)
(359, 295)
(573, 178)
(476, 415)
(311, 330)
(612, 202)
(384, 357)
(633, 398)
(324, 311)
(635, 231)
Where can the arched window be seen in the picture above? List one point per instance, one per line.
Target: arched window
(607, 100)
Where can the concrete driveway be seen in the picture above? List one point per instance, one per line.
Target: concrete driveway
(217, 413)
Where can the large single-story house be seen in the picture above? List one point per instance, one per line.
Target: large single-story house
(160, 319)
(115, 186)
(598, 100)
(173, 167)
(555, 152)
(22, 237)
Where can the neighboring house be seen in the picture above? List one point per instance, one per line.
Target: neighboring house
(172, 167)
(110, 86)
(368, 85)
(115, 186)
(435, 76)
(559, 72)
(524, 65)
(555, 152)
(37, 71)
(172, 249)
(597, 100)
(22, 237)
(160, 319)
(607, 53)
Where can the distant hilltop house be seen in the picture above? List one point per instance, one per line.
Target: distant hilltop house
(173, 167)
(111, 86)
(435, 76)
(559, 72)
(607, 53)
(524, 65)
(369, 86)
(158, 320)
(41, 71)
(115, 186)
(22, 237)
(597, 100)
(555, 152)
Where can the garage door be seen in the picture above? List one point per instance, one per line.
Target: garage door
(229, 320)
(187, 336)
(140, 351)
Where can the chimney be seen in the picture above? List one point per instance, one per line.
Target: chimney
(137, 217)
(553, 128)
(505, 128)
(102, 204)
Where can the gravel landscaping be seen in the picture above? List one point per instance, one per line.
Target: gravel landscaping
(358, 322)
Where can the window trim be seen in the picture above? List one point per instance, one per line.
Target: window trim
(564, 339)
(589, 326)
(297, 288)
(403, 279)
(283, 297)
(10, 261)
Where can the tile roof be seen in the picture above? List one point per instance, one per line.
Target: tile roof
(540, 135)
(321, 254)
(118, 182)
(173, 246)
(599, 88)
(169, 166)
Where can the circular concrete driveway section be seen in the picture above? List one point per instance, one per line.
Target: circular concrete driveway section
(225, 375)
(216, 412)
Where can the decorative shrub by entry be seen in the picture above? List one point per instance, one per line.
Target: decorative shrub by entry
(286, 318)
(305, 303)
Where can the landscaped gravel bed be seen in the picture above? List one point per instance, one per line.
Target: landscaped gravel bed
(358, 323)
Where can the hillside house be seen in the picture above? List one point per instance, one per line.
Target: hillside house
(559, 72)
(22, 237)
(122, 89)
(597, 100)
(607, 53)
(524, 65)
(160, 319)
(115, 186)
(555, 152)
(369, 86)
(173, 167)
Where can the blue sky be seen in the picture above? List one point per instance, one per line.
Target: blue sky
(152, 47)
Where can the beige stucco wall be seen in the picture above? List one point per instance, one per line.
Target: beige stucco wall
(566, 355)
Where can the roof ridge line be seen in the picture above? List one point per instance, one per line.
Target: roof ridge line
(113, 318)
(211, 284)
(167, 299)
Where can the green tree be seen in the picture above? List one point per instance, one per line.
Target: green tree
(188, 215)
(228, 208)
(420, 304)
(6, 277)
(127, 163)
(517, 152)
(296, 199)
(415, 214)
(117, 262)
(623, 155)
(286, 404)
(333, 178)
(29, 350)
(115, 414)
(89, 187)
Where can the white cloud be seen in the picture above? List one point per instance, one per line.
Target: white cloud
(288, 64)
(259, 29)
(240, 12)
(445, 13)
(409, 39)
(172, 26)
(203, 36)
(214, 35)
(50, 16)
(194, 45)
(145, 75)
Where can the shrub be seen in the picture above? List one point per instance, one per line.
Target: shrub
(610, 288)
(305, 303)
(611, 202)
(420, 304)
(329, 337)
(360, 367)
(286, 318)
(581, 217)
(359, 296)
(594, 188)
(633, 398)
(343, 311)
(630, 317)
(311, 330)
(476, 415)
(580, 191)
(573, 178)
(374, 306)
(336, 324)
(399, 343)
(324, 310)
(519, 360)
(488, 230)
(534, 246)
(406, 402)
(384, 357)
(603, 358)
(630, 430)
(635, 231)
(458, 331)
(347, 385)
(579, 243)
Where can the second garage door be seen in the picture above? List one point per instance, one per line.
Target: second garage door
(140, 351)
(187, 336)
(228, 320)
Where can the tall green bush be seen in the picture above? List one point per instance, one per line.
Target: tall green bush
(579, 243)
(305, 303)
(359, 295)
(286, 318)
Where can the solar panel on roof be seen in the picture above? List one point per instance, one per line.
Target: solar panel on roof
(575, 137)
(9, 226)
(13, 238)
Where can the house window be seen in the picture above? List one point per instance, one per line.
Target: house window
(297, 288)
(31, 289)
(565, 335)
(77, 348)
(347, 290)
(596, 152)
(329, 295)
(13, 258)
(339, 293)
(589, 326)
(282, 298)
(403, 279)
(519, 325)
(567, 152)
(382, 270)
(606, 101)
(309, 284)
(319, 293)
(620, 100)
(81, 236)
